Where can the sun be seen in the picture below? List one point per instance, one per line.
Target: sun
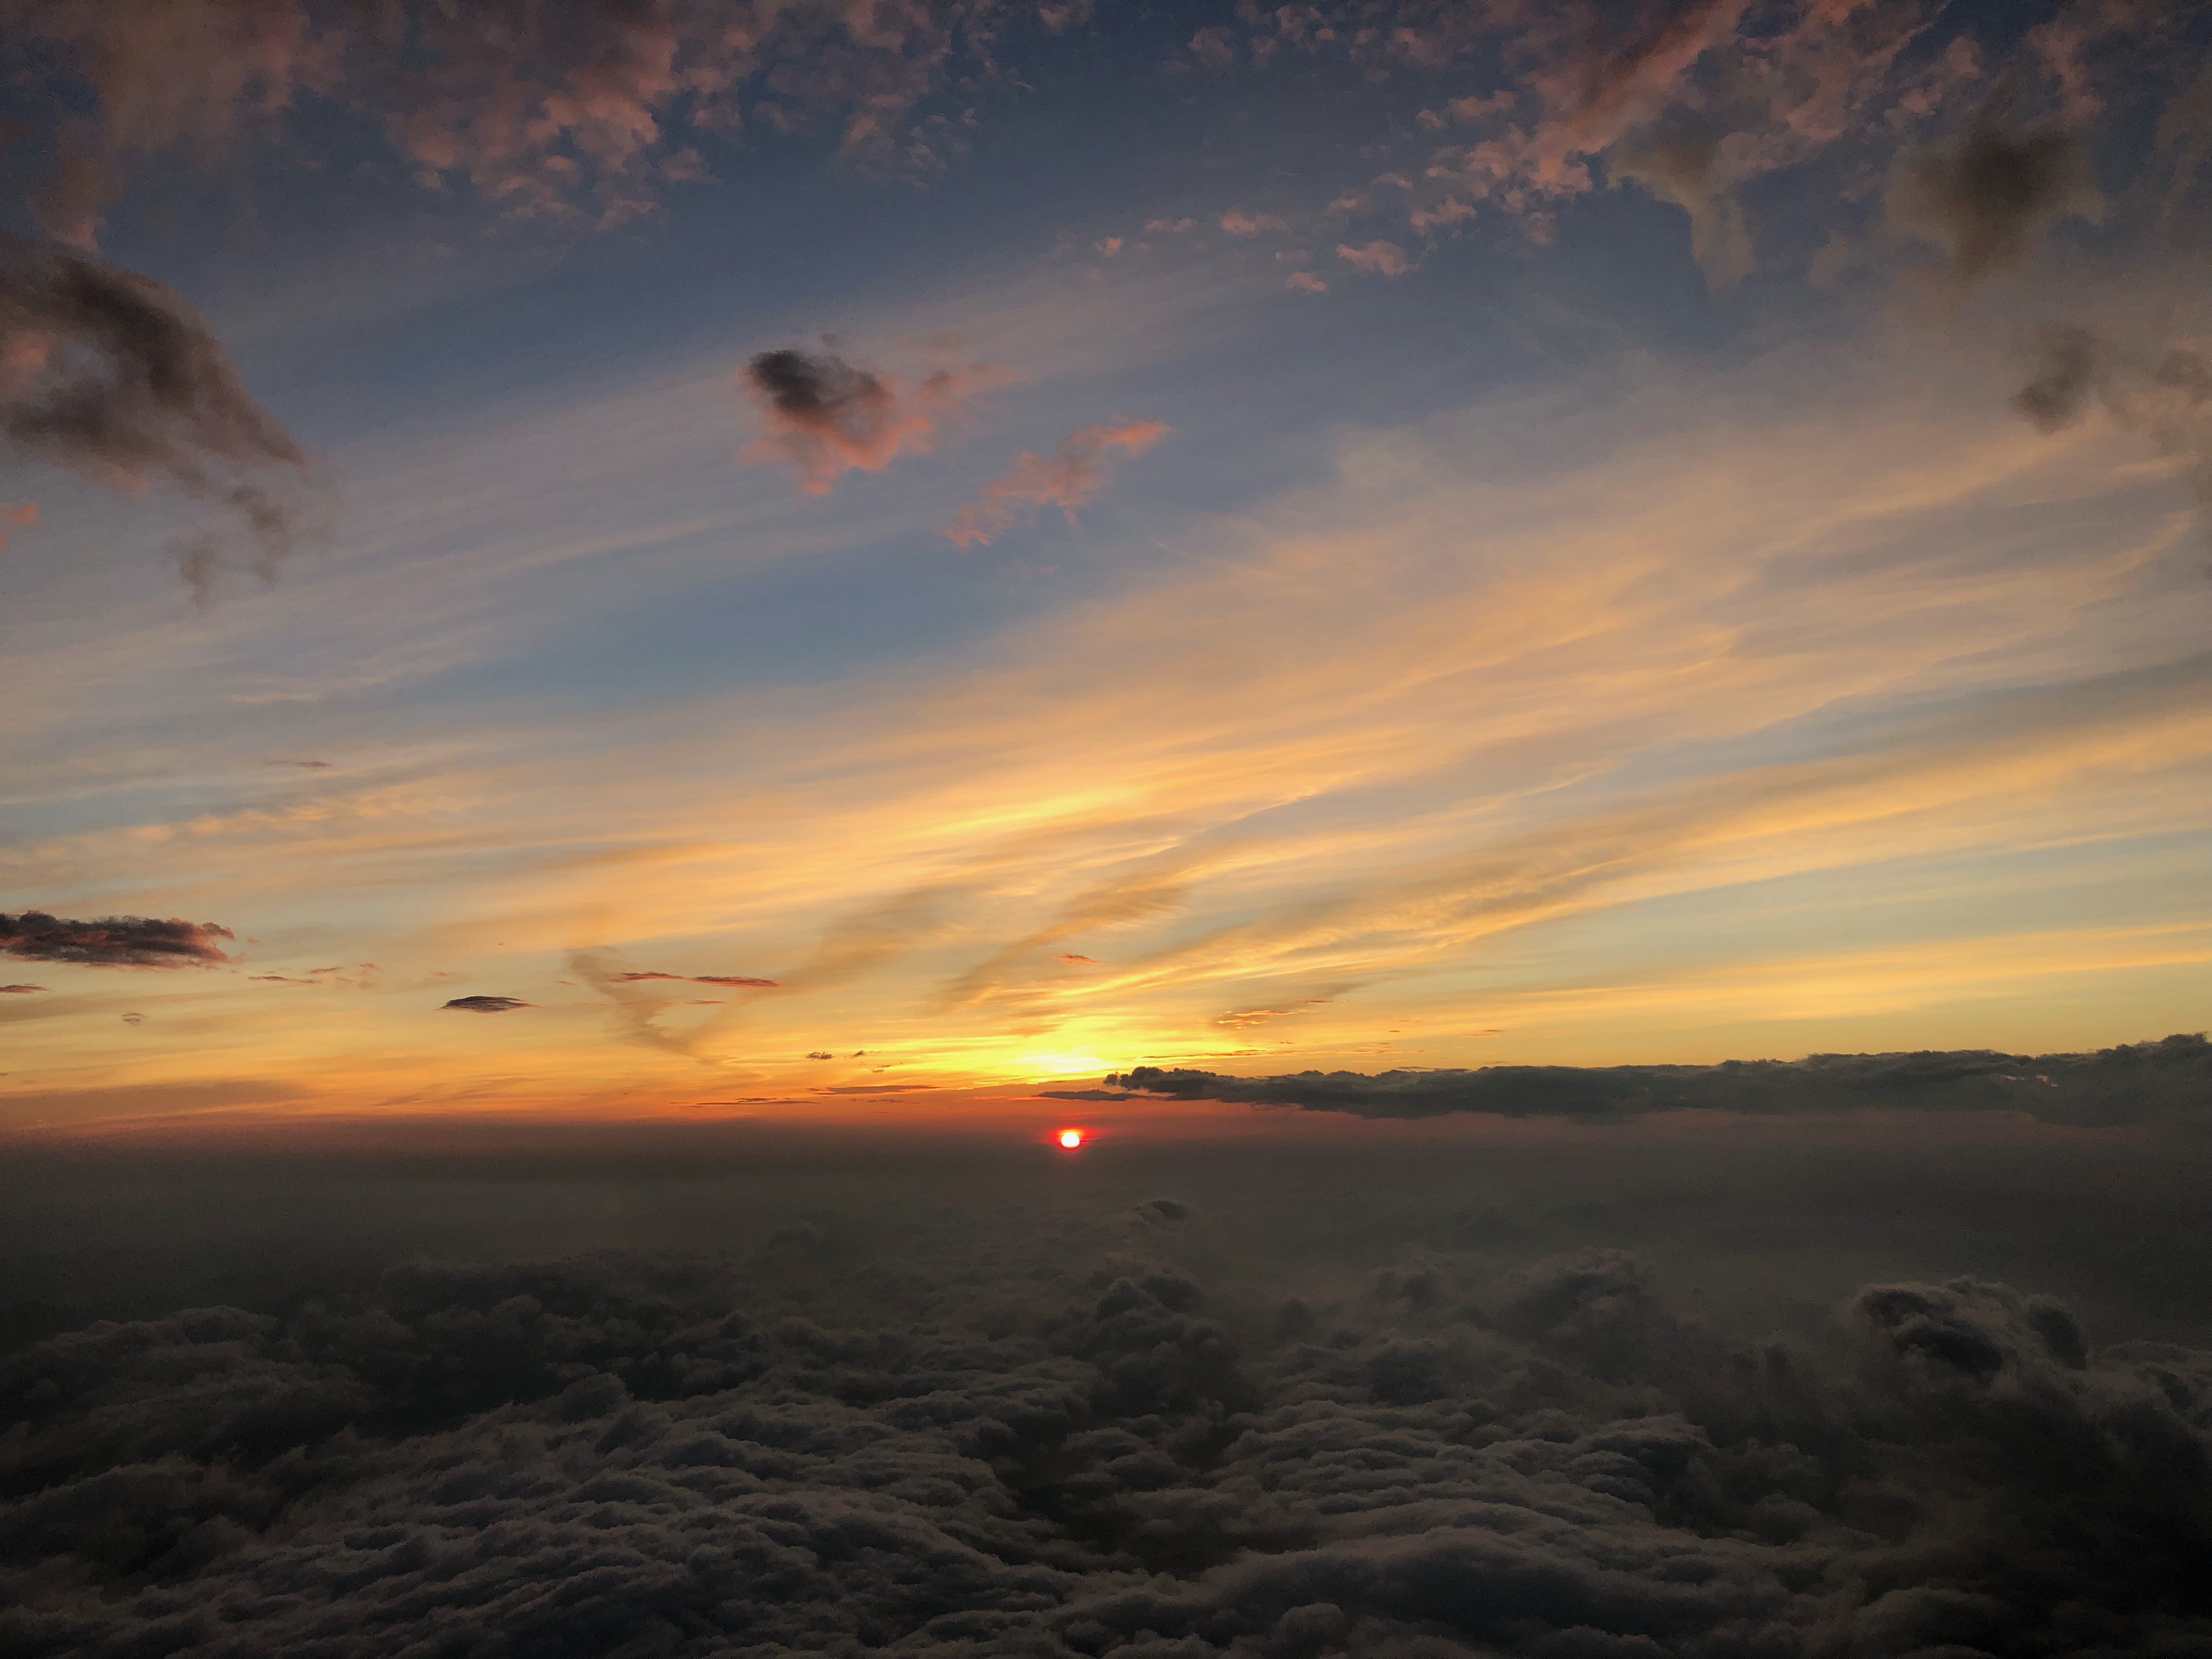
(1070, 1138)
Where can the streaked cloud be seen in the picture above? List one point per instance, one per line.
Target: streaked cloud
(1071, 475)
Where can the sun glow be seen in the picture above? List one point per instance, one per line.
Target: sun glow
(1070, 1139)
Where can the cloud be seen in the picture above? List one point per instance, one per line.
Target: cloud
(583, 114)
(112, 375)
(745, 980)
(639, 1007)
(1071, 475)
(1076, 1435)
(2143, 1082)
(828, 417)
(1238, 222)
(1686, 173)
(304, 765)
(2164, 390)
(1304, 282)
(1169, 226)
(1378, 258)
(112, 941)
(21, 514)
(1987, 200)
(19, 990)
(485, 1005)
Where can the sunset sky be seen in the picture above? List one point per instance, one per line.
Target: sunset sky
(885, 556)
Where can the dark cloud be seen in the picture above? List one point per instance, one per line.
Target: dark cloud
(743, 980)
(304, 765)
(19, 990)
(2134, 1083)
(1988, 199)
(112, 375)
(2164, 390)
(828, 417)
(112, 941)
(484, 1004)
(1081, 1447)
(2071, 364)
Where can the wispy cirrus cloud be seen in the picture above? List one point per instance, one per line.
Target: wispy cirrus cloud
(1072, 475)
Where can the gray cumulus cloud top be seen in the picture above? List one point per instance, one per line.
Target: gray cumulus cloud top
(1089, 1452)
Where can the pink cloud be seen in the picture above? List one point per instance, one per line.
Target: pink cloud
(1067, 478)
(20, 513)
(1306, 282)
(1448, 212)
(1238, 222)
(826, 417)
(1378, 258)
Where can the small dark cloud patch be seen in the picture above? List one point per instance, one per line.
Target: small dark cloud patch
(484, 1004)
(2133, 1082)
(826, 417)
(2164, 390)
(1985, 201)
(741, 980)
(134, 1018)
(114, 377)
(304, 765)
(19, 990)
(114, 941)
(2070, 364)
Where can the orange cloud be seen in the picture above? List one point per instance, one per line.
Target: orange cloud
(1067, 478)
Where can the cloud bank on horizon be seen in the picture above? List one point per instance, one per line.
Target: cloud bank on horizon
(1574, 534)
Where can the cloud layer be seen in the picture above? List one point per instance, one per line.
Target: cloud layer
(1091, 1450)
(2136, 1083)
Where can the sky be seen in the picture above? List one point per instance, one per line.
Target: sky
(867, 561)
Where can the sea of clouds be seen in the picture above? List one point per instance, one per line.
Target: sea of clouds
(1200, 1401)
